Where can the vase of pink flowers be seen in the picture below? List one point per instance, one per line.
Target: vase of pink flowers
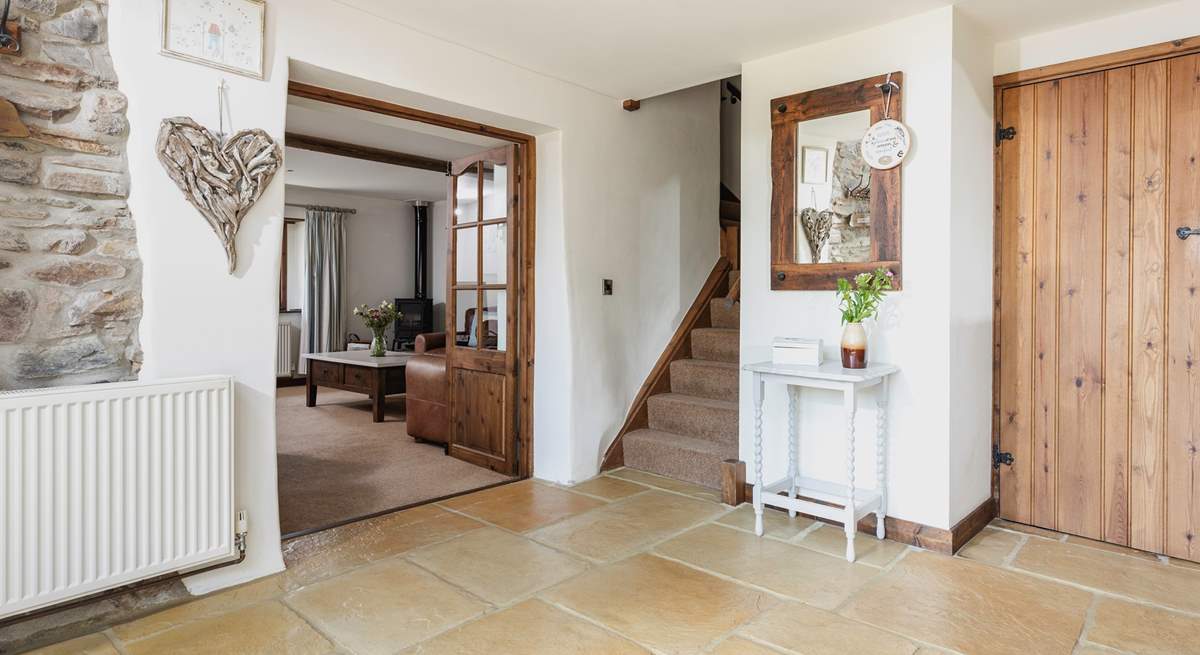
(859, 300)
(377, 319)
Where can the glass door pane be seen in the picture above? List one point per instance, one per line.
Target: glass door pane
(466, 196)
(495, 319)
(466, 252)
(466, 329)
(495, 253)
(495, 191)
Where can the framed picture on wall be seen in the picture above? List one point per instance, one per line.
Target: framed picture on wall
(815, 165)
(224, 34)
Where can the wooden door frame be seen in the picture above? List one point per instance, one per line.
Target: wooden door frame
(1094, 64)
(526, 223)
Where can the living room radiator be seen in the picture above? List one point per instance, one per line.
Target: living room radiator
(285, 351)
(105, 485)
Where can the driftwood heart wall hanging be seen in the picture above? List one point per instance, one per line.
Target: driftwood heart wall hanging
(817, 225)
(222, 178)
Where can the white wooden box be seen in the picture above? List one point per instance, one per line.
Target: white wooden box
(794, 351)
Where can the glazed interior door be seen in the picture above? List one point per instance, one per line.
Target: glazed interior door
(1098, 396)
(481, 309)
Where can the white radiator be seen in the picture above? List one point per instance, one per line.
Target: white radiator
(285, 351)
(108, 484)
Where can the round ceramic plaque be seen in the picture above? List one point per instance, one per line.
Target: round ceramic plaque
(886, 144)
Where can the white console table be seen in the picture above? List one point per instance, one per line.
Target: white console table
(852, 503)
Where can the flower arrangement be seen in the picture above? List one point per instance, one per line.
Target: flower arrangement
(377, 319)
(860, 300)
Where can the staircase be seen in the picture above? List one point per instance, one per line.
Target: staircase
(693, 425)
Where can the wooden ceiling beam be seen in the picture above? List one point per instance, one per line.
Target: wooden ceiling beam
(343, 149)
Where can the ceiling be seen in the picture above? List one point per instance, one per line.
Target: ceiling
(359, 177)
(368, 178)
(639, 48)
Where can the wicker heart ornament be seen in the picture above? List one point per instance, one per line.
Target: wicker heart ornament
(222, 178)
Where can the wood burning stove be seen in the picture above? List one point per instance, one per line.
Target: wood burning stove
(416, 313)
(416, 317)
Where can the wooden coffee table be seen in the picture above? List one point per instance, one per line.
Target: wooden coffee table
(358, 371)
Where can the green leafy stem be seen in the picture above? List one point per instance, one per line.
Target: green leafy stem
(859, 300)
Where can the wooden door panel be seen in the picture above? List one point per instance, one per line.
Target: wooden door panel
(481, 408)
(1080, 297)
(1118, 212)
(1016, 237)
(1044, 407)
(1148, 307)
(1183, 313)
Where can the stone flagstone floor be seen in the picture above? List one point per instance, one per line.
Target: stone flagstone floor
(633, 563)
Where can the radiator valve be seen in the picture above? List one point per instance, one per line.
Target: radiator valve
(239, 538)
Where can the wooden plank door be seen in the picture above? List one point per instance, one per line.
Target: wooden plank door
(1099, 317)
(481, 309)
(1183, 311)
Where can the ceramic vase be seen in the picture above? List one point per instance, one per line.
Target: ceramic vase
(854, 346)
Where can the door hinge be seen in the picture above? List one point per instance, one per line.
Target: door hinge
(1005, 133)
(1000, 457)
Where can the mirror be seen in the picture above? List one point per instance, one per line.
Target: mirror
(833, 192)
(832, 215)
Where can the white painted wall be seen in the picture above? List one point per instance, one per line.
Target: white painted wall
(971, 270)
(1159, 24)
(439, 232)
(916, 328)
(631, 196)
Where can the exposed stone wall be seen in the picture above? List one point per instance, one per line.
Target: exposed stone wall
(70, 276)
(850, 233)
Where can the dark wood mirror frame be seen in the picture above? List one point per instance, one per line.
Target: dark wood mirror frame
(786, 113)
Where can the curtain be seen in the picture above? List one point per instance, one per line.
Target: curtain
(321, 327)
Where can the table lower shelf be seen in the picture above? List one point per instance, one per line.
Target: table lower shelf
(866, 501)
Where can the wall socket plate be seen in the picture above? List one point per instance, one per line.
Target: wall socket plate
(607, 287)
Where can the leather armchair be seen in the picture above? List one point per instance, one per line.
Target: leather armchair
(427, 415)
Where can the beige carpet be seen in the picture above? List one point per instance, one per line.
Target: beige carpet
(335, 464)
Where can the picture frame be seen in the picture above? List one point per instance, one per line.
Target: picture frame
(228, 35)
(814, 165)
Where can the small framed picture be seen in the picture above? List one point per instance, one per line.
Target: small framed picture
(815, 168)
(224, 34)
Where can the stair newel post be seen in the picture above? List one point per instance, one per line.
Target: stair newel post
(758, 456)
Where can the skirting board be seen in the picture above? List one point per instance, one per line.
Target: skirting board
(938, 540)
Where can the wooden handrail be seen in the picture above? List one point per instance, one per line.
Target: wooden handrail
(679, 347)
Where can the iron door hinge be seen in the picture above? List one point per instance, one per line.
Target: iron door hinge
(1005, 133)
(1000, 457)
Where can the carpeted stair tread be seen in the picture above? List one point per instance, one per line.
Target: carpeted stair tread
(725, 314)
(705, 378)
(716, 344)
(703, 418)
(677, 456)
